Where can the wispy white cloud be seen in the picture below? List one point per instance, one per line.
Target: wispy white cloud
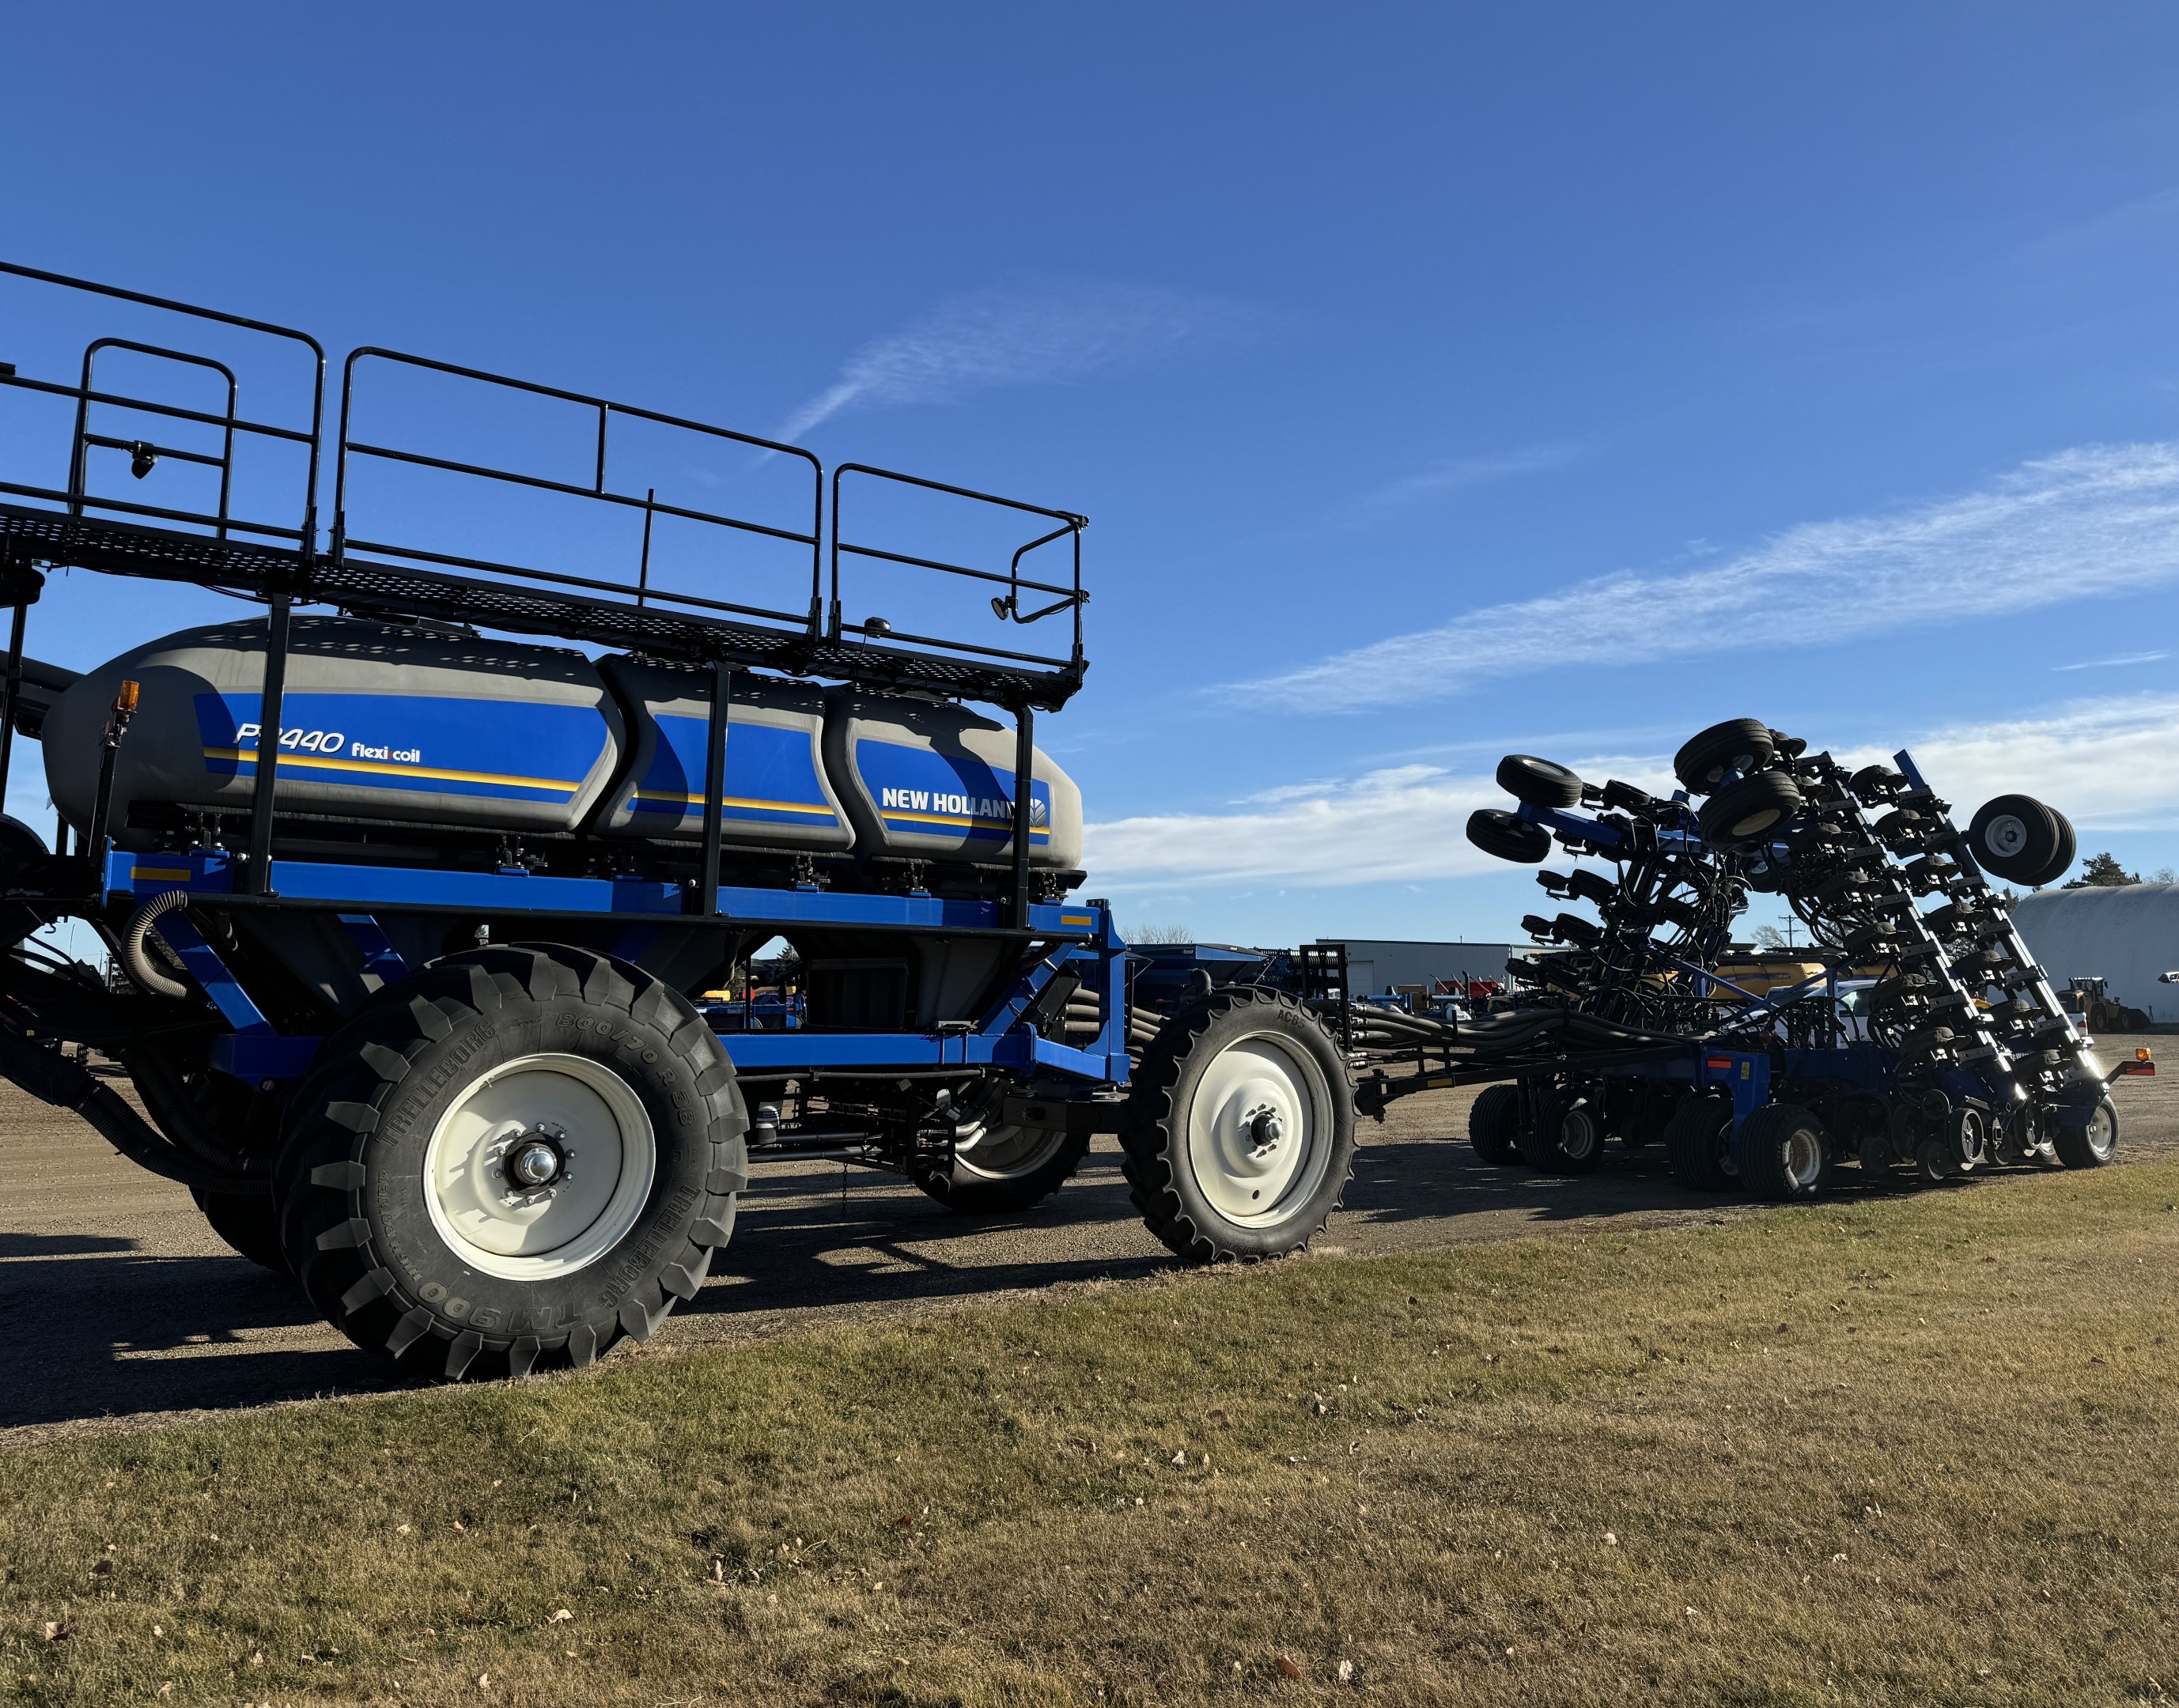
(2083, 524)
(1406, 823)
(2107, 765)
(2118, 663)
(1053, 331)
(1459, 472)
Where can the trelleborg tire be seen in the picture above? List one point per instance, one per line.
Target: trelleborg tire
(249, 1223)
(1239, 1140)
(512, 1160)
(1493, 1125)
(1008, 1168)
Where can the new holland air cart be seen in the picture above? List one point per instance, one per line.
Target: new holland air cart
(412, 1010)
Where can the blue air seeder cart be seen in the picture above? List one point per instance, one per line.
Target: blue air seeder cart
(412, 1011)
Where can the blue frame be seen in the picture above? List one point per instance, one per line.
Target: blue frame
(1086, 944)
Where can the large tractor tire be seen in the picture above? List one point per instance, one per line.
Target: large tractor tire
(250, 1224)
(1493, 1125)
(1006, 1170)
(512, 1160)
(1240, 1129)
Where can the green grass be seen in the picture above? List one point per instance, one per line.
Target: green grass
(1914, 1450)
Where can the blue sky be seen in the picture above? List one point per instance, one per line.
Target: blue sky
(1439, 380)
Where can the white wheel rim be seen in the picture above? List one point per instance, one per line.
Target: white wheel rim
(1008, 1153)
(1579, 1135)
(2101, 1132)
(594, 1118)
(1761, 820)
(1258, 1129)
(1804, 1158)
(2004, 835)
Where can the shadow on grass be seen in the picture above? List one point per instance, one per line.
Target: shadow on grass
(119, 1333)
(111, 1334)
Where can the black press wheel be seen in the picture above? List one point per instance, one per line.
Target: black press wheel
(1744, 745)
(510, 1160)
(1493, 1125)
(1508, 836)
(249, 1223)
(2093, 1143)
(1240, 1128)
(1539, 781)
(1698, 1144)
(2017, 838)
(1784, 1152)
(1005, 1169)
(1750, 810)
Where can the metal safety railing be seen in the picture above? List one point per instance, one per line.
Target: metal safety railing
(1065, 597)
(599, 490)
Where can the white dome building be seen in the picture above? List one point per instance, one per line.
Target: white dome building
(2129, 935)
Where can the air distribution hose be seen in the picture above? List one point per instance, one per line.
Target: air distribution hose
(135, 961)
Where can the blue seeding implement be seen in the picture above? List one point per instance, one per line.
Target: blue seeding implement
(1906, 1035)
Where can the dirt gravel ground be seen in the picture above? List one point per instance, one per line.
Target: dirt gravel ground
(125, 1310)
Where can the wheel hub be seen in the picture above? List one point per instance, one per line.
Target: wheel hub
(2006, 835)
(1265, 1128)
(537, 1159)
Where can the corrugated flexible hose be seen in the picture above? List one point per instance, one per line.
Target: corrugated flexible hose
(136, 961)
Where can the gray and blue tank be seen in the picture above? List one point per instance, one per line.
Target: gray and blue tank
(434, 726)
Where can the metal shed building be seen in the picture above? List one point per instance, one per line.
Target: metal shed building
(2126, 933)
(1374, 966)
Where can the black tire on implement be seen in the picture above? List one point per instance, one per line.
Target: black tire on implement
(250, 1222)
(1493, 1125)
(2092, 1145)
(1179, 1168)
(1696, 1143)
(1539, 781)
(1011, 1169)
(2017, 838)
(2063, 856)
(1751, 810)
(358, 1210)
(1739, 744)
(1508, 836)
(1784, 1154)
(1566, 1136)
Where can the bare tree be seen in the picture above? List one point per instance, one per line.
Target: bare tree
(1158, 933)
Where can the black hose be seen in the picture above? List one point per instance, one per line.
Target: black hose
(179, 1118)
(51, 1078)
